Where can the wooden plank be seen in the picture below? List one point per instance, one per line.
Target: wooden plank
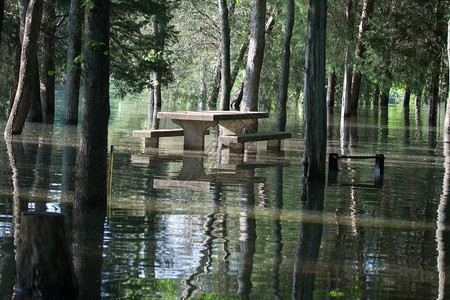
(254, 137)
(158, 133)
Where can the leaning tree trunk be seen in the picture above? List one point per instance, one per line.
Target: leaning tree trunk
(21, 104)
(225, 50)
(285, 62)
(91, 188)
(255, 57)
(360, 49)
(73, 75)
(47, 79)
(315, 111)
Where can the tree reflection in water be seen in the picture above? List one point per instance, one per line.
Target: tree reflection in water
(308, 246)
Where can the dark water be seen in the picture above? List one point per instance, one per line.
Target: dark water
(214, 226)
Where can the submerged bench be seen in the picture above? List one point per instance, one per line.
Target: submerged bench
(152, 136)
(236, 142)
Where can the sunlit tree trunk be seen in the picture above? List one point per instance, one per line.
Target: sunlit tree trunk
(347, 85)
(447, 113)
(315, 110)
(73, 75)
(285, 63)
(255, 57)
(91, 188)
(47, 79)
(225, 50)
(21, 104)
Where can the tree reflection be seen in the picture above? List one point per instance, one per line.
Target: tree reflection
(443, 220)
(88, 228)
(309, 241)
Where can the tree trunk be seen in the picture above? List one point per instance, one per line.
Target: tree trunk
(215, 86)
(35, 113)
(285, 62)
(73, 75)
(315, 112)
(407, 97)
(255, 57)
(21, 105)
(91, 188)
(434, 99)
(47, 79)
(225, 51)
(331, 90)
(237, 62)
(2, 14)
(347, 85)
(447, 113)
(384, 99)
(376, 95)
(360, 49)
(237, 99)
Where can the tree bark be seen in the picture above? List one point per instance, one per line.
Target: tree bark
(331, 90)
(360, 49)
(285, 63)
(35, 113)
(21, 105)
(215, 86)
(225, 51)
(73, 75)
(434, 99)
(255, 57)
(91, 187)
(237, 62)
(47, 80)
(315, 113)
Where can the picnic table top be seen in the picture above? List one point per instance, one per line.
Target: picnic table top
(212, 115)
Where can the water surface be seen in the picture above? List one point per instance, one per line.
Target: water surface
(210, 225)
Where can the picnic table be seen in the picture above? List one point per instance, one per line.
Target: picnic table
(196, 123)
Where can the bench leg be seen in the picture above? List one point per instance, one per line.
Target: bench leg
(152, 142)
(274, 145)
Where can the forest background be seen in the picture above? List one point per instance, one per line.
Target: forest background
(388, 45)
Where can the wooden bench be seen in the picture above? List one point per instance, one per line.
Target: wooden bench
(236, 142)
(152, 136)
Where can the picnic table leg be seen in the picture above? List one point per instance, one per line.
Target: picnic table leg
(232, 127)
(194, 132)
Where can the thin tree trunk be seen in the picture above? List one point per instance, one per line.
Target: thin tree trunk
(237, 99)
(331, 90)
(2, 14)
(360, 49)
(22, 102)
(48, 61)
(237, 62)
(376, 95)
(407, 97)
(434, 99)
(73, 64)
(215, 86)
(447, 113)
(255, 57)
(347, 85)
(91, 188)
(225, 50)
(285, 63)
(315, 111)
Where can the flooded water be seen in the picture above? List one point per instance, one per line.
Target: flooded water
(213, 226)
